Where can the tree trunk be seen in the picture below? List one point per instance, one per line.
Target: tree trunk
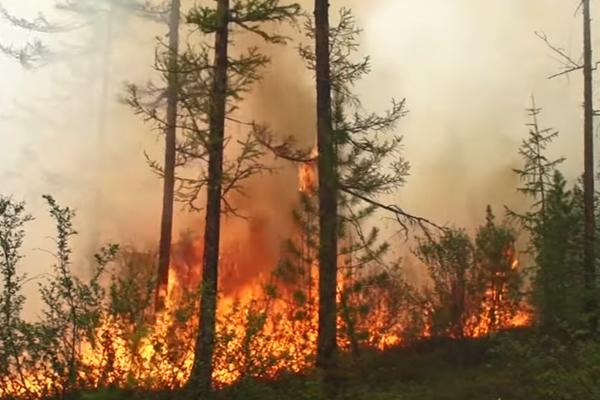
(203, 367)
(588, 176)
(326, 343)
(166, 224)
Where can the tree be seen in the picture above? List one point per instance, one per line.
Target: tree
(476, 283)
(570, 65)
(458, 287)
(588, 176)
(223, 82)
(328, 192)
(166, 225)
(555, 227)
(13, 217)
(366, 161)
(202, 371)
(35, 52)
(558, 280)
(496, 256)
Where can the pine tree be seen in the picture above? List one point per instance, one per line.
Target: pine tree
(495, 255)
(457, 290)
(208, 94)
(477, 287)
(35, 52)
(559, 257)
(589, 219)
(328, 192)
(554, 228)
(166, 225)
(368, 163)
(588, 176)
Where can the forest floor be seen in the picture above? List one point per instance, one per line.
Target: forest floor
(517, 365)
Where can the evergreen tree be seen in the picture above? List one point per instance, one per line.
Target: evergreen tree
(327, 339)
(589, 193)
(458, 287)
(477, 287)
(35, 52)
(368, 163)
(558, 279)
(495, 256)
(166, 225)
(208, 92)
(554, 231)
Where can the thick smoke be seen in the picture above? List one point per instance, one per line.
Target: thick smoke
(467, 70)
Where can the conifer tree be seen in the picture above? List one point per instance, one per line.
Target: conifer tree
(368, 162)
(589, 219)
(589, 176)
(457, 291)
(212, 81)
(554, 231)
(35, 52)
(496, 255)
(327, 339)
(477, 285)
(166, 224)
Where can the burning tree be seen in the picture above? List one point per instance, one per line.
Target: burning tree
(367, 163)
(476, 286)
(210, 84)
(496, 255)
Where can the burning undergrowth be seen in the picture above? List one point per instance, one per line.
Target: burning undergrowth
(103, 331)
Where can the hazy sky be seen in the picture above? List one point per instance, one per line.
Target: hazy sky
(467, 69)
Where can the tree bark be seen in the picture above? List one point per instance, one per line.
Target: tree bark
(326, 342)
(588, 176)
(166, 224)
(202, 370)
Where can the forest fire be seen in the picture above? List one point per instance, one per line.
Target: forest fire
(258, 335)
(266, 325)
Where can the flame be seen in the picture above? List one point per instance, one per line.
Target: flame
(497, 311)
(257, 335)
(159, 355)
(307, 174)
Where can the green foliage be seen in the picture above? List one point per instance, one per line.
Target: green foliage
(458, 285)
(13, 331)
(476, 288)
(375, 304)
(194, 71)
(553, 369)
(73, 307)
(557, 290)
(495, 252)
(554, 225)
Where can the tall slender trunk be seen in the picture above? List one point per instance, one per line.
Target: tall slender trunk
(166, 224)
(103, 73)
(203, 366)
(326, 343)
(588, 176)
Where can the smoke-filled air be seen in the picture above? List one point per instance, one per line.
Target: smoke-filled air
(269, 199)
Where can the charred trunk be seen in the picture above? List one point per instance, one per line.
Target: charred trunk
(326, 343)
(166, 225)
(203, 364)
